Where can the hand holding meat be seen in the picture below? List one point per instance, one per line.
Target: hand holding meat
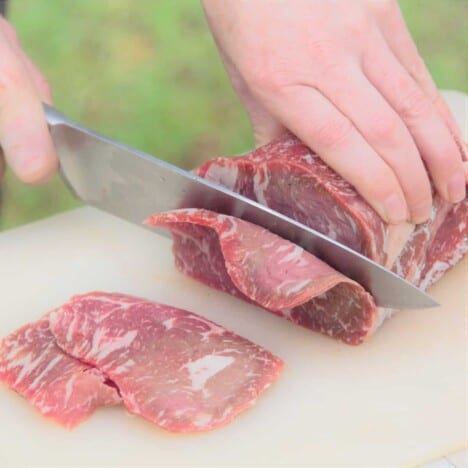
(347, 79)
(24, 136)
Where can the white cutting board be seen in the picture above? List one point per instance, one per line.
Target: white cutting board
(400, 399)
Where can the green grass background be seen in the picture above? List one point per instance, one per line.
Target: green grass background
(147, 73)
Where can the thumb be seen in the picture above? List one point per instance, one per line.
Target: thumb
(265, 127)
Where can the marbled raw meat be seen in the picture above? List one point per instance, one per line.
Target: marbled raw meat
(288, 177)
(59, 386)
(252, 263)
(172, 367)
(449, 245)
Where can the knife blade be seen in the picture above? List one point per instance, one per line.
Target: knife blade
(133, 185)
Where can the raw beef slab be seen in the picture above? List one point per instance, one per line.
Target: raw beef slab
(286, 176)
(172, 367)
(252, 263)
(58, 385)
(449, 245)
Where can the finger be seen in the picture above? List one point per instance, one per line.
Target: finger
(405, 50)
(265, 127)
(385, 132)
(432, 137)
(328, 132)
(24, 135)
(40, 83)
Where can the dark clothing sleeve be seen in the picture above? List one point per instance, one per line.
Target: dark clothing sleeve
(3, 7)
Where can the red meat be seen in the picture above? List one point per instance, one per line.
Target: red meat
(250, 262)
(58, 385)
(174, 368)
(288, 177)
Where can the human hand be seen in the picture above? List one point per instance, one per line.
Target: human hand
(347, 79)
(24, 135)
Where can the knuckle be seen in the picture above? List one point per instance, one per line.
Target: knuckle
(326, 54)
(414, 103)
(12, 77)
(358, 25)
(269, 73)
(333, 133)
(385, 126)
(322, 49)
(331, 68)
(267, 77)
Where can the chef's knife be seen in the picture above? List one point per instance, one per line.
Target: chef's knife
(133, 185)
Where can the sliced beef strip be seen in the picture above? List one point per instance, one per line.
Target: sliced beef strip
(172, 367)
(252, 263)
(59, 386)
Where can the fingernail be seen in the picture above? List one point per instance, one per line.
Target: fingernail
(456, 188)
(395, 208)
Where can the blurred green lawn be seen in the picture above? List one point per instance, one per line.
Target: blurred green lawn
(147, 73)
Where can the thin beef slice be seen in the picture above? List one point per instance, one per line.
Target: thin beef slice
(172, 367)
(59, 386)
(256, 265)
